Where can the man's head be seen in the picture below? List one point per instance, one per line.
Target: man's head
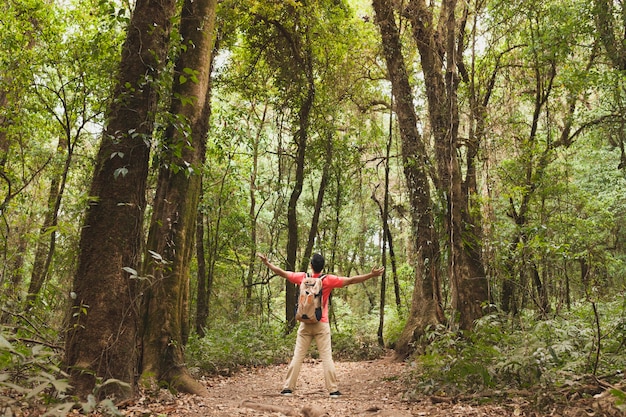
(317, 262)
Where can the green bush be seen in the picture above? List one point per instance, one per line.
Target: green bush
(228, 346)
(354, 337)
(394, 324)
(526, 353)
(30, 377)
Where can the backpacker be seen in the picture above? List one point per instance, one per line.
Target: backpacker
(309, 302)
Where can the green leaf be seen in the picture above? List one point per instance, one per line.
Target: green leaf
(38, 389)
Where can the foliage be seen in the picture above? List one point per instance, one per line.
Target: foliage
(575, 213)
(395, 320)
(504, 354)
(354, 335)
(229, 346)
(30, 376)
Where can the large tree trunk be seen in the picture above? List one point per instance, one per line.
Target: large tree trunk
(101, 340)
(437, 44)
(171, 237)
(426, 303)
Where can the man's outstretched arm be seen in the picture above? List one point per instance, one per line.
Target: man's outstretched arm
(376, 272)
(277, 270)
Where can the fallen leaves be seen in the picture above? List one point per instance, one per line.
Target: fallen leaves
(372, 388)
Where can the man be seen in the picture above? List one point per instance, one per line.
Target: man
(320, 330)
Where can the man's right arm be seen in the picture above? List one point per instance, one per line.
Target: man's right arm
(277, 270)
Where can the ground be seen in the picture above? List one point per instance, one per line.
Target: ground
(370, 388)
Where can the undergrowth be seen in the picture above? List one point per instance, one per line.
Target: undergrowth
(501, 355)
(228, 347)
(32, 381)
(526, 353)
(30, 377)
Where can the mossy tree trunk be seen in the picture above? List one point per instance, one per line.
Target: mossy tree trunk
(426, 302)
(171, 236)
(101, 339)
(440, 43)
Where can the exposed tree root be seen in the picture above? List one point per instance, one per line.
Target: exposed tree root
(306, 411)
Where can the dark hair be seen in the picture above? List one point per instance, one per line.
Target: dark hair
(317, 262)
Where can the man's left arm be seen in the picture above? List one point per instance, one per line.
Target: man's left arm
(376, 272)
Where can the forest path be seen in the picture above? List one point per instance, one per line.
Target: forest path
(369, 388)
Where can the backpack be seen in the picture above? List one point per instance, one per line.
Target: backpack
(309, 302)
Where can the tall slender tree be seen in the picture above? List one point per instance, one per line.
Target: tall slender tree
(293, 56)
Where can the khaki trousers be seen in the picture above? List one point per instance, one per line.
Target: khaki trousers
(306, 333)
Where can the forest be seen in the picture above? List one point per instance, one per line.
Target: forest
(151, 149)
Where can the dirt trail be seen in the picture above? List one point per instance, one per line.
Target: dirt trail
(371, 388)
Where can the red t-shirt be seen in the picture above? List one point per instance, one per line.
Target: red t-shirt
(330, 282)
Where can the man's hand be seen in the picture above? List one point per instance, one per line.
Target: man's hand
(277, 270)
(263, 258)
(378, 271)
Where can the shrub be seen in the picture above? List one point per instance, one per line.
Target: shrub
(30, 377)
(228, 346)
(528, 353)
(354, 337)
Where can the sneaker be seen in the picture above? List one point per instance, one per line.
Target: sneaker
(286, 392)
(335, 394)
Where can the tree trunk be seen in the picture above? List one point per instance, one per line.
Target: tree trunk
(14, 268)
(301, 138)
(47, 233)
(292, 214)
(171, 237)
(101, 340)
(253, 211)
(252, 217)
(437, 44)
(608, 16)
(426, 303)
(202, 300)
(45, 244)
(317, 210)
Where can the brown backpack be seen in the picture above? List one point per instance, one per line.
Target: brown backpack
(309, 302)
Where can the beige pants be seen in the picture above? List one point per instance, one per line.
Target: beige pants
(306, 333)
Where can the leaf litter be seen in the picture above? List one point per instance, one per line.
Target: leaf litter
(370, 388)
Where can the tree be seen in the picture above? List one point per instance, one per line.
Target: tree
(550, 110)
(67, 91)
(426, 304)
(171, 237)
(20, 22)
(440, 43)
(289, 29)
(102, 334)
